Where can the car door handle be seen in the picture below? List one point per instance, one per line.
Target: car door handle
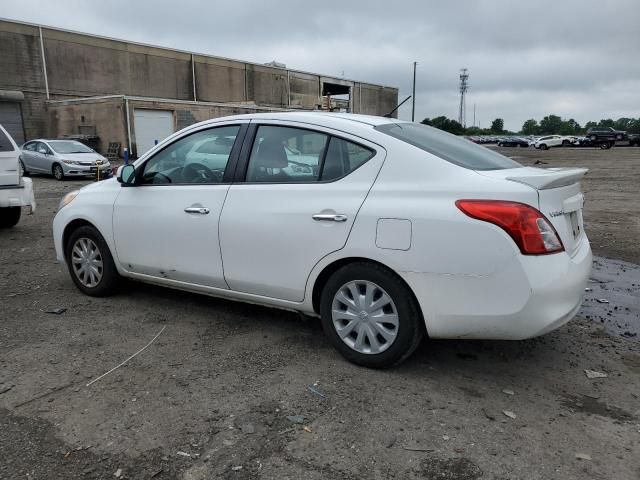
(329, 217)
(200, 210)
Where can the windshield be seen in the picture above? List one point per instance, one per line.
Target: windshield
(449, 147)
(69, 146)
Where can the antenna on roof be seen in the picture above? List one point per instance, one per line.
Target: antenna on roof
(388, 115)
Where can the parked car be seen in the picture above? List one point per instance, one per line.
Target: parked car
(15, 192)
(634, 139)
(513, 142)
(62, 158)
(606, 134)
(544, 143)
(386, 230)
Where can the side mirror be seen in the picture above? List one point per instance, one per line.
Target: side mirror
(126, 175)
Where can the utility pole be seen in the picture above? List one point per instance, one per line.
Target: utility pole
(474, 114)
(464, 76)
(413, 96)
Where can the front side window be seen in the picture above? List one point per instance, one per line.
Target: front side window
(201, 157)
(42, 148)
(448, 147)
(30, 147)
(294, 155)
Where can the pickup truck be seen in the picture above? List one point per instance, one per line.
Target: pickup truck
(605, 134)
(15, 191)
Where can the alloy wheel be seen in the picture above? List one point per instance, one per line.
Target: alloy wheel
(86, 260)
(57, 172)
(365, 317)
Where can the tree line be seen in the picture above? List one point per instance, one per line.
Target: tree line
(549, 125)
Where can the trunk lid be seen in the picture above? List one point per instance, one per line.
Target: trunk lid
(559, 197)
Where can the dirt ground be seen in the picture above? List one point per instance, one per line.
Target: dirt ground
(236, 391)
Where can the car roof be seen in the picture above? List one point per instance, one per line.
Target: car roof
(327, 119)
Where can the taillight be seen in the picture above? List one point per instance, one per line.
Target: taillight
(528, 227)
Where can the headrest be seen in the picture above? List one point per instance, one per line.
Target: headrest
(271, 154)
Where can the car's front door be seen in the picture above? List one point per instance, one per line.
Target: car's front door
(39, 158)
(298, 197)
(166, 225)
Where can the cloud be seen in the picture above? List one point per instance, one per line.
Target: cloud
(570, 58)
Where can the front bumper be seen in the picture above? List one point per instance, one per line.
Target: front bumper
(87, 171)
(531, 296)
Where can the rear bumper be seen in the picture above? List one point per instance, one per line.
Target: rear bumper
(531, 296)
(20, 195)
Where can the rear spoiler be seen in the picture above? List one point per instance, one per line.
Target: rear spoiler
(549, 177)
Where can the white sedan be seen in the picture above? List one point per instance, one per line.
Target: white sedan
(386, 230)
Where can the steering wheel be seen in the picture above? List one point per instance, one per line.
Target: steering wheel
(199, 173)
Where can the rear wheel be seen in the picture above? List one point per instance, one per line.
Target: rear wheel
(90, 263)
(57, 171)
(605, 145)
(565, 143)
(9, 216)
(544, 147)
(370, 316)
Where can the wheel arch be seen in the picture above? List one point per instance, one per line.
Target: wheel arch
(72, 226)
(331, 268)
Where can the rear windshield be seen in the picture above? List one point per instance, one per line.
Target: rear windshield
(449, 147)
(69, 146)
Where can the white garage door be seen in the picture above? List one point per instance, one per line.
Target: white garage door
(151, 125)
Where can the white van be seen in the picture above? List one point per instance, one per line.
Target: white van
(15, 191)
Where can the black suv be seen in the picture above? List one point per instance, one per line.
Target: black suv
(634, 139)
(605, 134)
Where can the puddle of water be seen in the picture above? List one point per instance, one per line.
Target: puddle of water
(617, 282)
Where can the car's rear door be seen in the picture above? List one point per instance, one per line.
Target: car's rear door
(166, 225)
(298, 192)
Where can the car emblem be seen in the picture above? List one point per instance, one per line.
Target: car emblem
(98, 162)
(557, 213)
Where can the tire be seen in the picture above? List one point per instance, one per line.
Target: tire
(9, 216)
(25, 172)
(106, 276)
(57, 172)
(544, 147)
(402, 338)
(566, 143)
(605, 146)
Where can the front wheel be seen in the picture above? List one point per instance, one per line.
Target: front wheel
(58, 172)
(90, 263)
(9, 216)
(544, 147)
(370, 316)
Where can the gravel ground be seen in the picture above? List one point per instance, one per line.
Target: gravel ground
(230, 390)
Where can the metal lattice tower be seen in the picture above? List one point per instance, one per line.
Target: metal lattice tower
(464, 86)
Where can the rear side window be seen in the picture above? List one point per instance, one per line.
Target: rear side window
(5, 143)
(449, 147)
(342, 158)
(297, 155)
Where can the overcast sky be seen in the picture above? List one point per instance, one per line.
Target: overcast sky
(578, 59)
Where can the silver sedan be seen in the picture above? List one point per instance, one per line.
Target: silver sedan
(62, 158)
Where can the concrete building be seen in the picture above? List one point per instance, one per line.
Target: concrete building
(57, 83)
